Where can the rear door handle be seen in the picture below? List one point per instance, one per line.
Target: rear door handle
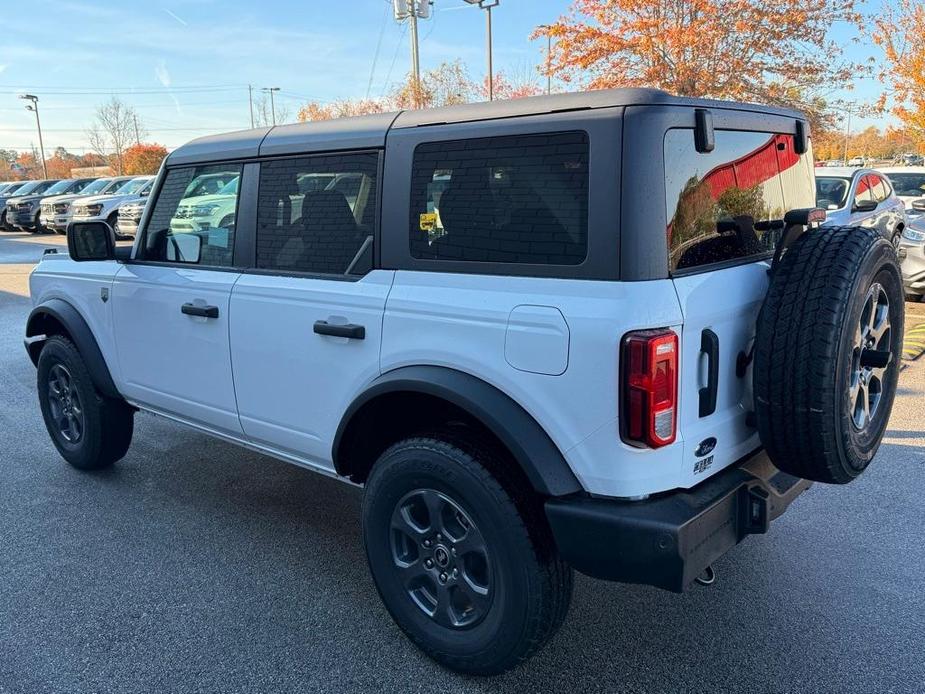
(354, 332)
(202, 311)
(709, 345)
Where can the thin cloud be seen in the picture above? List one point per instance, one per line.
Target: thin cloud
(182, 21)
(163, 76)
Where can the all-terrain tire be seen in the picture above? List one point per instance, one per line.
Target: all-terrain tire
(105, 426)
(834, 288)
(528, 587)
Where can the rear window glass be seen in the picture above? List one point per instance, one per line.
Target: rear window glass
(729, 204)
(511, 199)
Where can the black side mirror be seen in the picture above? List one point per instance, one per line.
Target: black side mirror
(865, 206)
(91, 241)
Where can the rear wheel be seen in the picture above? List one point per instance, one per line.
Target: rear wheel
(827, 353)
(90, 430)
(472, 577)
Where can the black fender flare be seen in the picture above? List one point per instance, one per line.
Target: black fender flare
(76, 328)
(529, 444)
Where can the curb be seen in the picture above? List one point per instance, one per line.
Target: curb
(914, 343)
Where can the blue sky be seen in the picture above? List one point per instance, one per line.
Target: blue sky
(185, 65)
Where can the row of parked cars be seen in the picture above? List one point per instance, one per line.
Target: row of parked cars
(50, 205)
(891, 200)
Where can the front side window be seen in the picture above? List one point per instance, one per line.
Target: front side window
(508, 199)
(189, 228)
(315, 214)
(729, 204)
(879, 188)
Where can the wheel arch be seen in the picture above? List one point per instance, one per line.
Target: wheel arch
(58, 317)
(409, 400)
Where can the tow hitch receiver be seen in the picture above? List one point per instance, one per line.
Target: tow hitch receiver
(754, 518)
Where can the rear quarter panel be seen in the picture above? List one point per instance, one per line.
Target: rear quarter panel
(463, 322)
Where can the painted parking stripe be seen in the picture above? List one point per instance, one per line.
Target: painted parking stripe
(914, 342)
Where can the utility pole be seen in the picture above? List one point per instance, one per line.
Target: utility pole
(412, 10)
(250, 100)
(34, 106)
(548, 29)
(271, 90)
(487, 5)
(847, 132)
(135, 121)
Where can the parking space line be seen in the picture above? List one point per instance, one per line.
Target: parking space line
(914, 342)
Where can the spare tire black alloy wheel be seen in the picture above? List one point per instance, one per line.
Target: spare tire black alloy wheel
(872, 355)
(442, 558)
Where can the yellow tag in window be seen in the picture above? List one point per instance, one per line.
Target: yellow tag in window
(428, 221)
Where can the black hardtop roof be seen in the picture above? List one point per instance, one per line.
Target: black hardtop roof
(369, 132)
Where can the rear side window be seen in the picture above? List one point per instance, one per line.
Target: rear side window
(314, 214)
(729, 204)
(513, 199)
(191, 227)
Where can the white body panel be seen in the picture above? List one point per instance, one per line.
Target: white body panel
(461, 322)
(292, 384)
(80, 284)
(170, 361)
(727, 302)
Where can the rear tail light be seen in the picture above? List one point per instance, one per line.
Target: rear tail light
(649, 388)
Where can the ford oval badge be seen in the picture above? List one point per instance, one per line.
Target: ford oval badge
(706, 447)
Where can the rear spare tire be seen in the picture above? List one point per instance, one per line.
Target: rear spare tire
(826, 354)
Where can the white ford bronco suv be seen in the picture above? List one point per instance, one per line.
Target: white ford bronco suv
(600, 332)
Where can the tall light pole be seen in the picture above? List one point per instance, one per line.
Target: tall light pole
(412, 10)
(34, 106)
(847, 131)
(487, 5)
(548, 29)
(270, 90)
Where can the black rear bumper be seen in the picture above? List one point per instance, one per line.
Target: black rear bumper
(669, 540)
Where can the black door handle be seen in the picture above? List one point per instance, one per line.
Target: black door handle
(354, 332)
(709, 345)
(202, 311)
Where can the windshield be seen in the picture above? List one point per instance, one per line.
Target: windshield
(29, 187)
(60, 187)
(831, 192)
(132, 186)
(230, 188)
(13, 187)
(96, 186)
(908, 184)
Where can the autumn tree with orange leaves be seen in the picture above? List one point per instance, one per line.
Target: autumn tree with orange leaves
(900, 32)
(143, 159)
(447, 84)
(770, 51)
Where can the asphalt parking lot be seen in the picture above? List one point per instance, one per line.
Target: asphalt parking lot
(195, 566)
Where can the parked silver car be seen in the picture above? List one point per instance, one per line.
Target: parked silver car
(912, 258)
(860, 197)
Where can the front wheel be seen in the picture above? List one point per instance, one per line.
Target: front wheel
(89, 430)
(472, 577)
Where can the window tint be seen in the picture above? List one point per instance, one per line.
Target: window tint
(193, 229)
(730, 203)
(517, 199)
(314, 214)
